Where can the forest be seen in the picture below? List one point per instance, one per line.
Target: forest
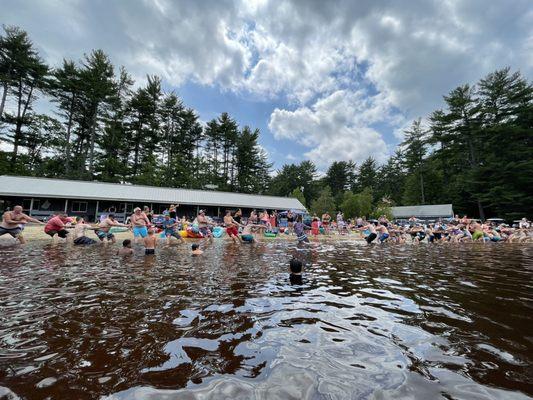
(87, 120)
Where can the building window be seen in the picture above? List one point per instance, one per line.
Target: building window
(79, 206)
(26, 204)
(126, 208)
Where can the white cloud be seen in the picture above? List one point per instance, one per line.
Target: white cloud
(319, 57)
(336, 127)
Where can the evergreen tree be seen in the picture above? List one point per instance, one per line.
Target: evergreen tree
(66, 90)
(23, 75)
(252, 165)
(98, 85)
(112, 162)
(415, 152)
(367, 176)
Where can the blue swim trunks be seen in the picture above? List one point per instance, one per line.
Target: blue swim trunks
(383, 237)
(141, 231)
(104, 235)
(247, 238)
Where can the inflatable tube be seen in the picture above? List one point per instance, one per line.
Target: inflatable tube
(118, 229)
(366, 232)
(269, 234)
(192, 234)
(218, 231)
(183, 234)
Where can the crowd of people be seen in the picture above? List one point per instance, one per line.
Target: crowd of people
(147, 228)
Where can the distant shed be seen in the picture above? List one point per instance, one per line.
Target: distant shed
(423, 212)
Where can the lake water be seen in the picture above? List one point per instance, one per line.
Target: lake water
(420, 322)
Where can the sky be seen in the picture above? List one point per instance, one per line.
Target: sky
(322, 80)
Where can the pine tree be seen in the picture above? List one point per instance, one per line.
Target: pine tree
(98, 84)
(415, 151)
(23, 75)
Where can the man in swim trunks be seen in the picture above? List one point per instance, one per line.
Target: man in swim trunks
(102, 231)
(57, 226)
(203, 225)
(384, 233)
(140, 223)
(300, 229)
(232, 227)
(372, 235)
(247, 235)
(169, 225)
(12, 222)
(80, 229)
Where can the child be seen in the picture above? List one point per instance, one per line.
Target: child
(126, 249)
(150, 243)
(196, 251)
(295, 276)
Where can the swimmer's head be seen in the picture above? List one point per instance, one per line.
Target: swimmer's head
(228, 212)
(126, 243)
(167, 217)
(195, 246)
(137, 210)
(151, 231)
(17, 209)
(295, 266)
(111, 217)
(79, 219)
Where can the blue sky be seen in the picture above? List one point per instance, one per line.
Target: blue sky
(322, 80)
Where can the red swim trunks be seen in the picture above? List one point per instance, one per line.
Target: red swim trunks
(232, 231)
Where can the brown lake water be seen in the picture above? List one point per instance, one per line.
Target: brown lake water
(418, 322)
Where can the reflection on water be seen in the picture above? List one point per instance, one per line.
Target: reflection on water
(369, 322)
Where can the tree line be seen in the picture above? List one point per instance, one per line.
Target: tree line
(475, 153)
(99, 126)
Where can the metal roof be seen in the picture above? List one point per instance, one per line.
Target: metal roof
(436, 210)
(23, 186)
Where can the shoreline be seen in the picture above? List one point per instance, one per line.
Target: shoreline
(33, 232)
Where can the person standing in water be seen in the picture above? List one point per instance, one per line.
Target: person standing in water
(299, 230)
(326, 220)
(80, 237)
(169, 225)
(232, 227)
(371, 228)
(290, 222)
(103, 229)
(203, 225)
(150, 243)
(57, 226)
(13, 223)
(140, 223)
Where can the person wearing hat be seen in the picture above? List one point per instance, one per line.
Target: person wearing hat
(203, 225)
